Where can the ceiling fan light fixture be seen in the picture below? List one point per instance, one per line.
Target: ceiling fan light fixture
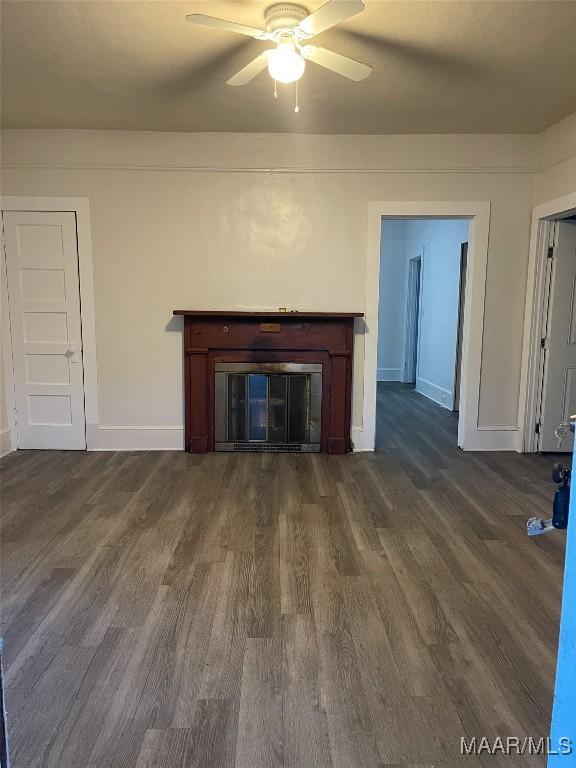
(284, 64)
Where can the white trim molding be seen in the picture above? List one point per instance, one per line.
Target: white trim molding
(390, 374)
(8, 383)
(533, 314)
(506, 438)
(440, 395)
(495, 439)
(269, 169)
(5, 442)
(131, 438)
(478, 212)
(81, 207)
(361, 441)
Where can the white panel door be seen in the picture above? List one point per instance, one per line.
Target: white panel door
(559, 392)
(45, 326)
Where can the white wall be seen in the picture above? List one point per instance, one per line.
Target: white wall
(244, 221)
(5, 442)
(557, 161)
(439, 242)
(554, 193)
(392, 301)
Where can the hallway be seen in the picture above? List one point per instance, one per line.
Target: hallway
(166, 610)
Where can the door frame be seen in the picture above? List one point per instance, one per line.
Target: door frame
(412, 319)
(543, 217)
(460, 330)
(471, 436)
(80, 206)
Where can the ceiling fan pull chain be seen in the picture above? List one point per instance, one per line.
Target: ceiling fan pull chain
(275, 89)
(296, 105)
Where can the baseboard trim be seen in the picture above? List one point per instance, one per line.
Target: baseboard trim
(359, 443)
(5, 442)
(159, 438)
(493, 439)
(389, 374)
(134, 438)
(443, 397)
(501, 438)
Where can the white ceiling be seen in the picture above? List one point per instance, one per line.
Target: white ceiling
(449, 66)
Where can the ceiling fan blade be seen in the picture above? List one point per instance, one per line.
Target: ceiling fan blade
(230, 26)
(329, 14)
(343, 65)
(250, 71)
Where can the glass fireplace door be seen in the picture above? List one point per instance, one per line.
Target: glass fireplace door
(267, 406)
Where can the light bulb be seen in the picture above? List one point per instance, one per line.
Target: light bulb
(284, 64)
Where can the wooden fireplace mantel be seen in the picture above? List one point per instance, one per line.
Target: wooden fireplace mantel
(268, 336)
(264, 313)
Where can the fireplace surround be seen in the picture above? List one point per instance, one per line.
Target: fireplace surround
(306, 357)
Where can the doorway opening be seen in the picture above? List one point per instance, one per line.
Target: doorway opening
(423, 270)
(551, 380)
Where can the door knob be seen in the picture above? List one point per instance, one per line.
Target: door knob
(562, 429)
(72, 353)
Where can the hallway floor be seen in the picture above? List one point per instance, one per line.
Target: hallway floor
(164, 610)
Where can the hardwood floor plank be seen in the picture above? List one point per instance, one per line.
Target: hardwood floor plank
(30, 614)
(212, 739)
(54, 693)
(407, 648)
(434, 624)
(223, 668)
(351, 724)
(360, 522)
(295, 564)
(141, 686)
(340, 538)
(260, 728)
(306, 739)
(264, 590)
(193, 633)
(164, 748)
(85, 717)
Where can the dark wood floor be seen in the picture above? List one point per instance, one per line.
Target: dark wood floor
(163, 610)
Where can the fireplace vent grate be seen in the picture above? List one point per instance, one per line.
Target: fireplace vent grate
(262, 447)
(269, 447)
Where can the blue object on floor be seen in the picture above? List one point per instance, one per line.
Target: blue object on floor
(4, 761)
(564, 710)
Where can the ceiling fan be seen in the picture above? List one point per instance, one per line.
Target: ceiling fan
(290, 27)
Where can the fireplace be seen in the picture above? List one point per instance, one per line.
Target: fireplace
(268, 381)
(267, 406)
